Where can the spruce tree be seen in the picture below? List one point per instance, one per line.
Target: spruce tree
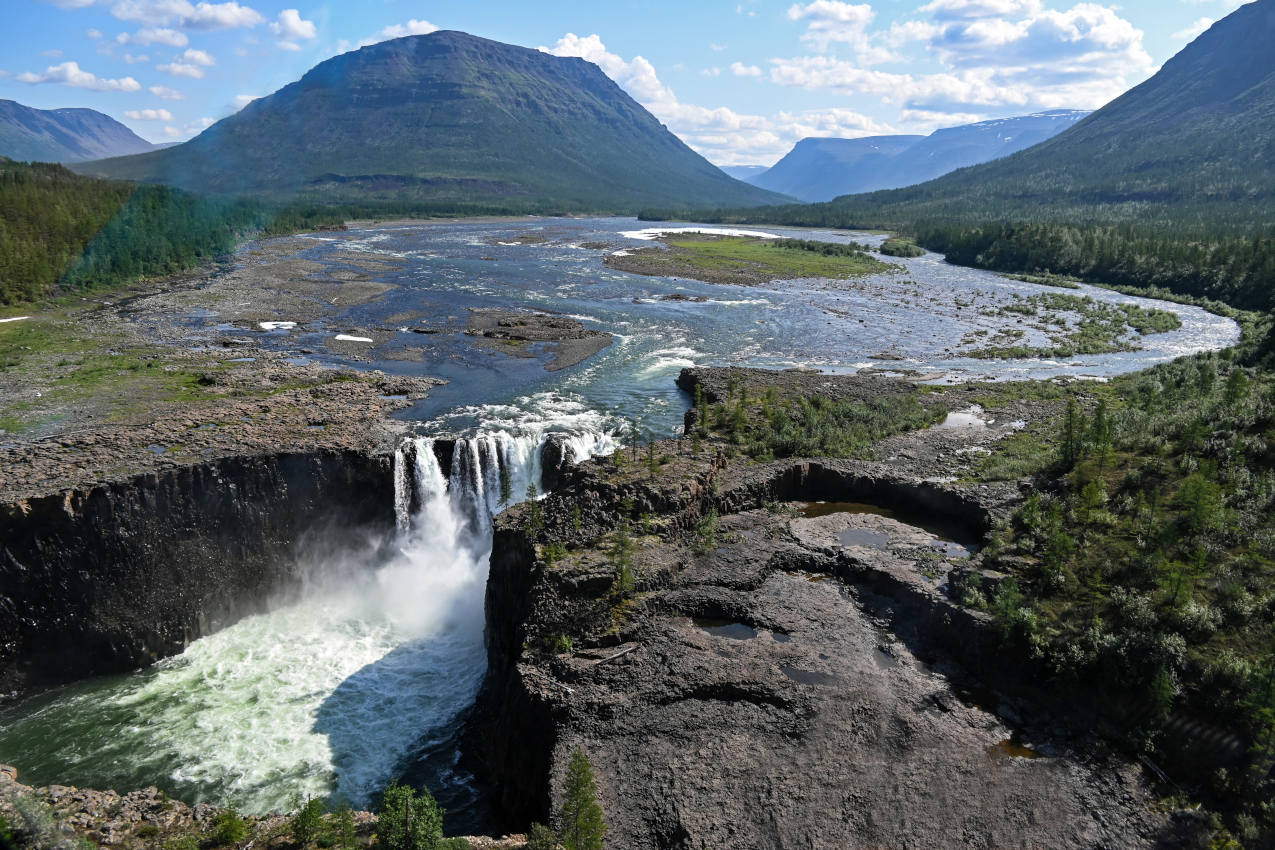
(580, 817)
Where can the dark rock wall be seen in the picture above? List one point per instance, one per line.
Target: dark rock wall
(118, 576)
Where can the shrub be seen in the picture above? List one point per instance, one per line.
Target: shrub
(408, 822)
(228, 828)
(706, 534)
(306, 822)
(541, 837)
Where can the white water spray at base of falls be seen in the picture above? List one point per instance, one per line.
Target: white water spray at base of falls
(332, 696)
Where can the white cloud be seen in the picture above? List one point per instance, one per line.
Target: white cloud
(51, 54)
(166, 93)
(199, 57)
(722, 135)
(155, 35)
(412, 27)
(711, 72)
(135, 60)
(997, 55)
(716, 48)
(189, 129)
(148, 114)
(958, 10)
(830, 22)
(71, 4)
(242, 100)
(291, 27)
(739, 69)
(182, 69)
(1196, 29)
(186, 15)
(94, 34)
(69, 73)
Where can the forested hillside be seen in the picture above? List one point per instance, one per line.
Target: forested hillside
(60, 231)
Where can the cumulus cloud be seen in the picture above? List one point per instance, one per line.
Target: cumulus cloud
(199, 57)
(187, 15)
(182, 69)
(242, 100)
(166, 93)
(148, 114)
(739, 69)
(291, 28)
(189, 129)
(722, 135)
(155, 35)
(997, 55)
(1194, 30)
(70, 74)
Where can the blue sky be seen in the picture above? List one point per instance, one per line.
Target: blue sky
(740, 82)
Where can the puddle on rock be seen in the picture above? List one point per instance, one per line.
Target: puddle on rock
(863, 537)
(808, 677)
(1009, 748)
(780, 637)
(725, 628)
(944, 542)
(972, 418)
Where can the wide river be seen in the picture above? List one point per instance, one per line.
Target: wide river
(365, 678)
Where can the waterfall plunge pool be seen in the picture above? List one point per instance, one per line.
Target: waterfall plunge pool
(364, 680)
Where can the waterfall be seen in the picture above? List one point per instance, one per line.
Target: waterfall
(332, 694)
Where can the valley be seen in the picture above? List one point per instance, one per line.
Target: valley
(414, 440)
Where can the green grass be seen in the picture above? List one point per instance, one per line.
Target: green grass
(741, 254)
(1075, 325)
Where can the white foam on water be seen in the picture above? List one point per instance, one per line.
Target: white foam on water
(276, 326)
(650, 233)
(348, 338)
(334, 694)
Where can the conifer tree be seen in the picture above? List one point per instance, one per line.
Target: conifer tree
(580, 817)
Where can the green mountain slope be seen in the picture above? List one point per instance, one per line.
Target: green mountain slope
(446, 117)
(63, 135)
(1193, 146)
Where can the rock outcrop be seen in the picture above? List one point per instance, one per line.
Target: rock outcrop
(119, 575)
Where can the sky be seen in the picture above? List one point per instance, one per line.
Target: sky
(740, 82)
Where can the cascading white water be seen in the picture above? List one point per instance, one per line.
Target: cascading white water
(330, 696)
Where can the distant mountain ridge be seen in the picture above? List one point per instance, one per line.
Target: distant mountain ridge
(822, 169)
(446, 117)
(1194, 146)
(63, 135)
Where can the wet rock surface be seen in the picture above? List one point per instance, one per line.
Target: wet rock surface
(567, 340)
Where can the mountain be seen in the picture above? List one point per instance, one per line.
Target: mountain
(744, 172)
(822, 169)
(1193, 146)
(446, 117)
(63, 135)
(819, 169)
